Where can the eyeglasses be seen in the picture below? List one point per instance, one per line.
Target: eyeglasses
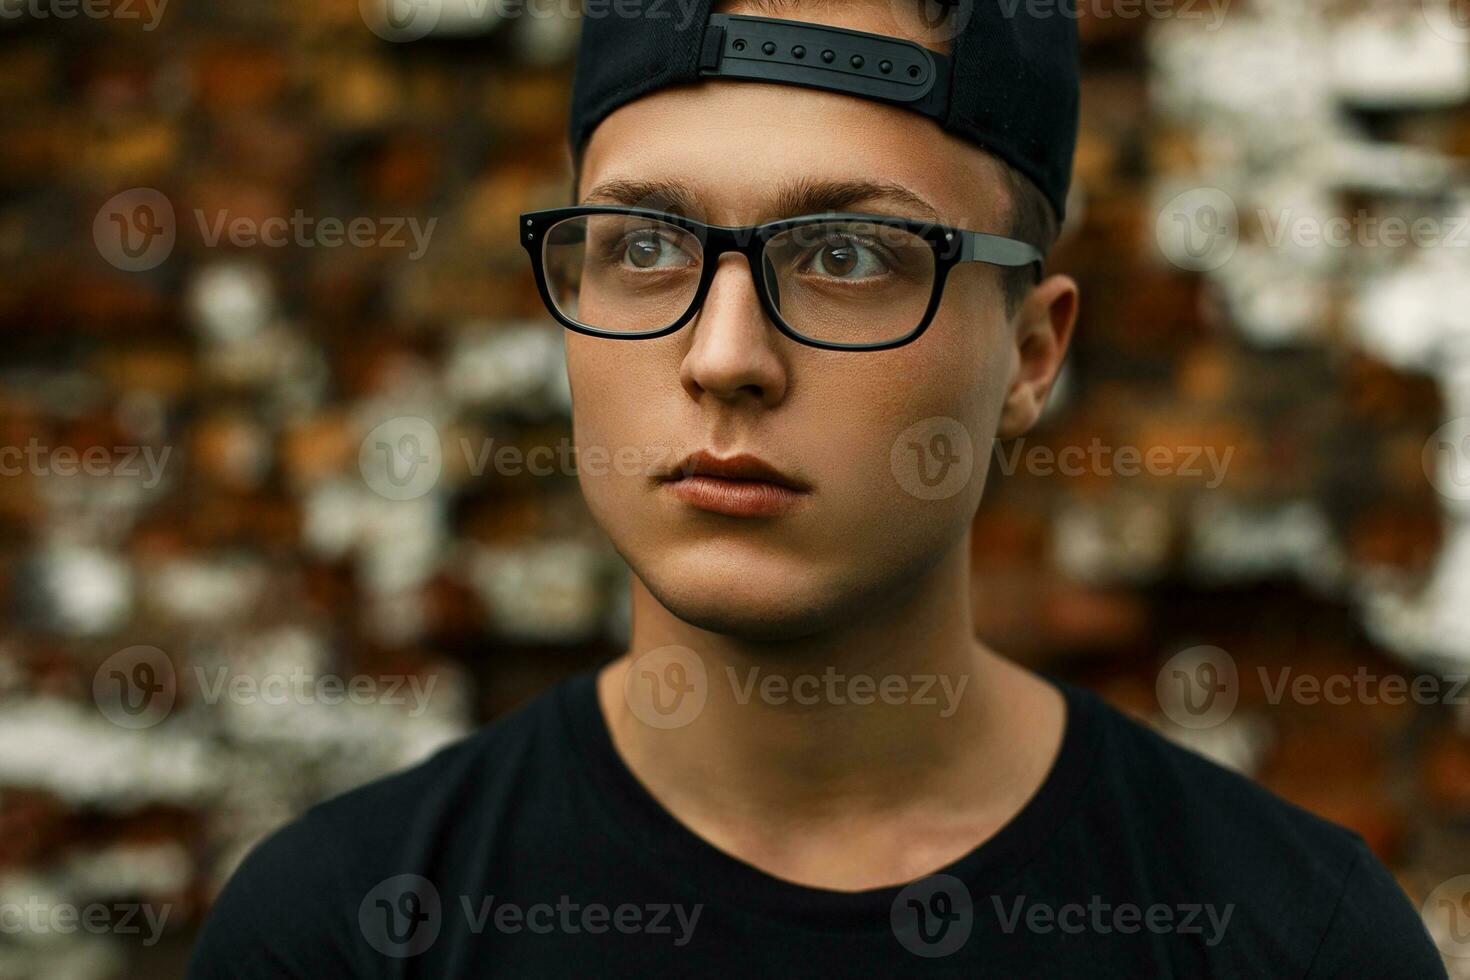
(835, 280)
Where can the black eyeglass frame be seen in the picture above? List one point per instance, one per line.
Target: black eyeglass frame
(751, 240)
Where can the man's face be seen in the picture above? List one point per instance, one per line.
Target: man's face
(729, 383)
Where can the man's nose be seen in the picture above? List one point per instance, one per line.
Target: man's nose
(735, 353)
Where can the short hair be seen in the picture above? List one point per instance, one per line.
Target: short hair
(1032, 218)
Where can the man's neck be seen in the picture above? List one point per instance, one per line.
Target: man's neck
(897, 727)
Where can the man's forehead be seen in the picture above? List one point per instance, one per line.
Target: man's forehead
(763, 199)
(734, 152)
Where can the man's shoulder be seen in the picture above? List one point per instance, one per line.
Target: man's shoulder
(1174, 790)
(290, 908)
(1286, 873)
(475, 770)
(471, 780)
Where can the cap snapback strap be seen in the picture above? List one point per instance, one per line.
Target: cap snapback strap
(873, 66)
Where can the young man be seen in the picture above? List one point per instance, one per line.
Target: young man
(805, 764)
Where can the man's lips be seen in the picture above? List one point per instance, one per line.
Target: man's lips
(737, 486)
(742, 466)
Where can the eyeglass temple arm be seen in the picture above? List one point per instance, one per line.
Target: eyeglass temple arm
(977, 246)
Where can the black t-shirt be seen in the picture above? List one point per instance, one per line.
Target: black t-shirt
(529, 849)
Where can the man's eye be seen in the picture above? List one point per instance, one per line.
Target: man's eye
(846, 258)
(650, 250)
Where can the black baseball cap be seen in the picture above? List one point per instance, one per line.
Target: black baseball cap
(1008, 85)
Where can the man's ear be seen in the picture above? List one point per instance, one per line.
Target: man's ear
(1041, 331)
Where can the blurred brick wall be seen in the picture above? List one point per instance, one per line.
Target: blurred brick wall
(1244, 480)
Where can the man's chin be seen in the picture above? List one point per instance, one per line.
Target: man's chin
(769, 611)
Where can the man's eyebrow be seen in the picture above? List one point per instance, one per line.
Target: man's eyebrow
(811, 196)
(658, 195)
(804, 196)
